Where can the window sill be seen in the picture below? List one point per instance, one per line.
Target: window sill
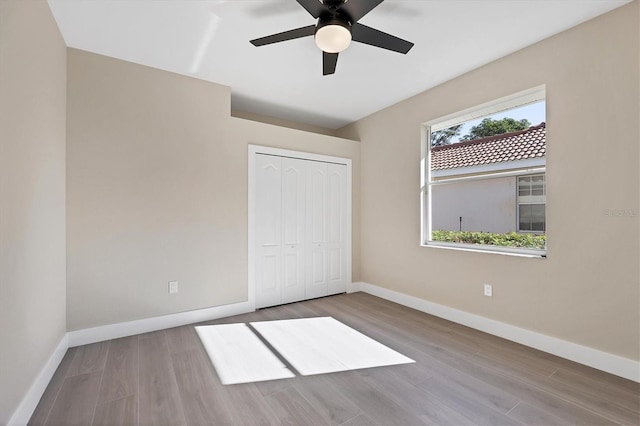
(477, 248)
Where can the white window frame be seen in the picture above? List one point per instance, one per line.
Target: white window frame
(529, 96)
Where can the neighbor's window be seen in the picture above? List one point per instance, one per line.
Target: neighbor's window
(484, 177)
(531, 203)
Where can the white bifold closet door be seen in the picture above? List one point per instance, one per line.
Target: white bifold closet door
(300, 236)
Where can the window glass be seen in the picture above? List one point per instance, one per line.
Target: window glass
(531, 200)
(485, 178)
(532, 217)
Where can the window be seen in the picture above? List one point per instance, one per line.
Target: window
(531, 203)
(483, 177)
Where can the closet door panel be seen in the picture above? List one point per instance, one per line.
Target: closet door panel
(334, 264)
(293, 221)
(270, 276)
(335, 209)
(316, 225)
(336, 228)
(317, 196)
(268, 232)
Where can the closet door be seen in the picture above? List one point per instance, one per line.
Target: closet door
(293, 220)
(335, 243)
(300, 229)
(326, 266)
(316, 226)
(268, 230)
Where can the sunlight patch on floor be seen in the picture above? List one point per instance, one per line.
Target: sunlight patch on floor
(310, 345)
(325, 345)
(239, 356)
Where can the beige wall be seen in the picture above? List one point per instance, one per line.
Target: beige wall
(32, 195)
(587, 290)
(157, 191)
(282, 123)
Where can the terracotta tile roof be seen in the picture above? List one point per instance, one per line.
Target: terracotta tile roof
(521, 145)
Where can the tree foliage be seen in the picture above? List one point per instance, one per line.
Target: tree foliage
(491, 127)
(444, 136)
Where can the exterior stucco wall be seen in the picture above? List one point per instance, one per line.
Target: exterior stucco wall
(487, 205)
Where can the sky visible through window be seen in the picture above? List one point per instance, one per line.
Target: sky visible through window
(534, 112)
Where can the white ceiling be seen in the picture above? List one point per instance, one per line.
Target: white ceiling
(209, 39)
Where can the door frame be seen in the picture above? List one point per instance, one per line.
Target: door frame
(258, 149)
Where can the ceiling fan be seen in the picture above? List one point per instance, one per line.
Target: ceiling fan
(337, 25)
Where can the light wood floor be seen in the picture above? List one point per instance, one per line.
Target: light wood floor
(461, 376)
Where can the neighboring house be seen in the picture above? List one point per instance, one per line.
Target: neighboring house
(500, 192)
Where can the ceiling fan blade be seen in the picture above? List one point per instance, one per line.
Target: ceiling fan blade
(329, 61)
(284, 36)
(356, 9)
(373, 37)
(314, 7)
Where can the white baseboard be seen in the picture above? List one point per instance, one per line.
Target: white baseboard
(129, 328)
(600, 360)
(353, 287)
(29, 403)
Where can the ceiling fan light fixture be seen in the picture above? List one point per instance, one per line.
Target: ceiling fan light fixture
(333, 36)
(334, 30)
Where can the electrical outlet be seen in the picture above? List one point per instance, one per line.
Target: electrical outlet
(488, 290)
(173, 287)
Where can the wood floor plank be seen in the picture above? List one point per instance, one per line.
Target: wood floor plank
(302, 310)
(182, 339)
(578, 395)
(388, 311)
(121, 370)
(597, 375)
(292, 409)
(361, 420)
(203, 396)
(159, 397)
(76, 401)
(530, 415)
(41, 412)
(249, 407)
(588, 399)
(479, 390)
(406, 394)
(377, 405)
(450, 368)
(269, 387)
(601, 389)
(425, 319)
(289, 311)
(118, 412)
(326, 398)
(89, 358)
(429, 331)
(396, 313)
(412, 374)
(493, 373)
(465, 401)
(508, 352)
(461, 376)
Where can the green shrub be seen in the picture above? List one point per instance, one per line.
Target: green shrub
(511, 239)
